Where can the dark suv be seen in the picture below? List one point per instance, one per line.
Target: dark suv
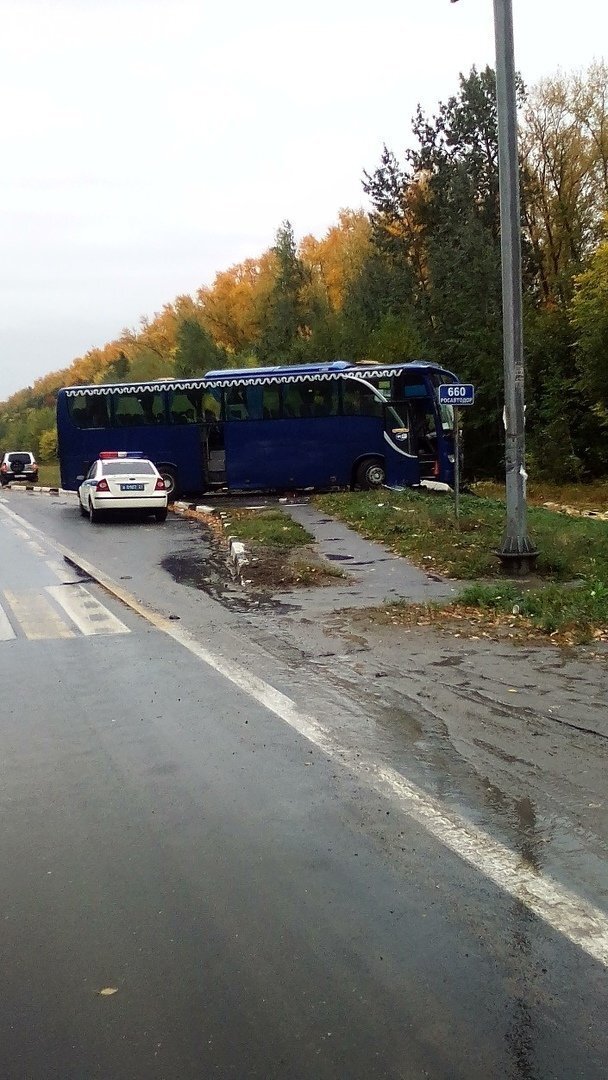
(18, 465)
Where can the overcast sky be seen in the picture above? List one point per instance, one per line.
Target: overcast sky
(147, 144)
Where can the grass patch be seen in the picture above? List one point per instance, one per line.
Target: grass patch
(308, 569)
(271, 528)
(48, 475)
(422, 527)
(592, 496)
(578, 613)
(570, 606)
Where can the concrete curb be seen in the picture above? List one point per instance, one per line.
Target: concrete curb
(236, 549)
(37, 487)
(238, 553)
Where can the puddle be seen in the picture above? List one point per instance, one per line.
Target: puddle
(209, 571)
(339, 558)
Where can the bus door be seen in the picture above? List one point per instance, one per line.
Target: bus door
(424, 438)
(416, 397)
(214, 452)
(211, 428)
(402, 462)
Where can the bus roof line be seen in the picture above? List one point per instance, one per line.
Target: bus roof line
(256, 376)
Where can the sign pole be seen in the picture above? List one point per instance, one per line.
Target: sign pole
(457, 460)
(456, 395)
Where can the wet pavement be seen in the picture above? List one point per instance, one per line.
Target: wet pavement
(513, 737)
(191, 888)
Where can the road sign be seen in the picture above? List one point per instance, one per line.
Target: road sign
(456, 394)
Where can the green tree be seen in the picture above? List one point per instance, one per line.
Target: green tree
(196, 352)
(47, 445)
(590, 321)
(284, 319)
(437, 222)
(557, 413)
(379, 317)
(118, 370)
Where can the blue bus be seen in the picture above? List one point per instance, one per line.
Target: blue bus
(275, 428)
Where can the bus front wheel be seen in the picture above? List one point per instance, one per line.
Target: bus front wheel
(370, 473)
(170, 477)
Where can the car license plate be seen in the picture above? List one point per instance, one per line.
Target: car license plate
(131, 487)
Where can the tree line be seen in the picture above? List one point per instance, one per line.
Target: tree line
(418, 276)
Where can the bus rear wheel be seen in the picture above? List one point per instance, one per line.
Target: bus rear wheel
(370, 473)
(169, 476)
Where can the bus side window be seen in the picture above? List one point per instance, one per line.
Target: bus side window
(326, 399)
(89, 411)
(134, 410)
(359, 400)
(212, 406)
(185, 408)
(236, 405)
(125, 410)
(152, 404)
(315, 399)
(294, 404)
(297, 400)
(310, 399)
(271, 403)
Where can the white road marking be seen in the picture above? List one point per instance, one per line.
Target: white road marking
(36, 617)
(64, 572)
(33, 546)
(578, 920)
(89, 615)
(6, 631)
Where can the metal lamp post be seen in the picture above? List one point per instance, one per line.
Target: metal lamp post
(517, 552)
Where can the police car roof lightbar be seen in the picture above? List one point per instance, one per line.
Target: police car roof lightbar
(106, 454)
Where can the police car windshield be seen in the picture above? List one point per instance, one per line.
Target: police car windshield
(127, 467)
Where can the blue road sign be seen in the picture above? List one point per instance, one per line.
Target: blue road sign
(456, 394)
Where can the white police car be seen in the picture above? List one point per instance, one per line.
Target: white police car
(122, 480)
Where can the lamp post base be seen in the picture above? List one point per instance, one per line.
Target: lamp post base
(518, 563)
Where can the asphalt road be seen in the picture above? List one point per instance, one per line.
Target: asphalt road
(262, 906)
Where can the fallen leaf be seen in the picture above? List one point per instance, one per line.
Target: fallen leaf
(108, 991)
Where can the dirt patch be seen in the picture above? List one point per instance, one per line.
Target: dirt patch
(271, 567)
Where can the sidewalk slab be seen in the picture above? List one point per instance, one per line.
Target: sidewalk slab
(374, 573)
